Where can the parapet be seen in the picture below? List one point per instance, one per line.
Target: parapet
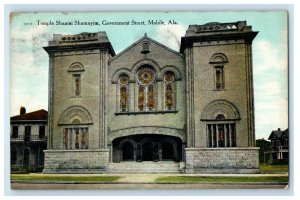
(81, 40)
(215, 31)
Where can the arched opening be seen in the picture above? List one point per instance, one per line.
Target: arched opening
(26, 160)
(168, 151)
(127, 151)
(147, 151)
(147, 147)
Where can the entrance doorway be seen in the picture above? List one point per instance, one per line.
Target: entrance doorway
(147, 151)
(147, 147)
(168, 150)
(127, 151)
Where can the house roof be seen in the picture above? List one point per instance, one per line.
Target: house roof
(279, 134)
(39, 115)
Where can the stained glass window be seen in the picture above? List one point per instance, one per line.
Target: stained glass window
(146, 88)
(76, 138)
(221, 134)
(77, 84)
(123, 93)
(219, 85)
(169, 93)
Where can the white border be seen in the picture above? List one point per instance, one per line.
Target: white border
(293, 97)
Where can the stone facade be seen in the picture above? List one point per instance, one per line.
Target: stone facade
(151, 103)
(76, 161)
(229, 160)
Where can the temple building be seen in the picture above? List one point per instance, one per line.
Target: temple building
(149, 108)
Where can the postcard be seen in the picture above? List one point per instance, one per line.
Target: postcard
(149, 100)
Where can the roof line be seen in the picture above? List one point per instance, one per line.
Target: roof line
(152, 40)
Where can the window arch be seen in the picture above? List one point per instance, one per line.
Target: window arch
(76, 69)
(220, 117)
(75, 122)
(146, 88)
(123, 91)
(218, 60)
(169, 90)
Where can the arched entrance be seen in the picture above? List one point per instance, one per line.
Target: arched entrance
(147, 150)
(147, 147)
(127, 151)
(168, 150)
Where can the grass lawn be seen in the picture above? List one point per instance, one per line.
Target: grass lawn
(271, 169)
(221, 179)
(34, 177)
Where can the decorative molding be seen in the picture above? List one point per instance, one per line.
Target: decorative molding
(224, 107)
(159, 130)
(75, 113)
(146, 112)
(117, 73)
(174, 69)
(218, 58)
(76, 67)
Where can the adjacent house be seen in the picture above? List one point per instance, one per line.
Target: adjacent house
(280, 146)
(28, 140)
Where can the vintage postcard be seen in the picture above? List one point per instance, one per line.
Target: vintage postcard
(149, 100)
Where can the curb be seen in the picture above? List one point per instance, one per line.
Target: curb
(154, 183)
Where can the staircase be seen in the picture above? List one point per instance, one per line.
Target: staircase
(147, 167)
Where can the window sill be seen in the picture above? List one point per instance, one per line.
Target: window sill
(146, 112)
(219, 89)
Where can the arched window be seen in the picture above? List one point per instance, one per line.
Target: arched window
(219, 78)
(220, 117)
(75, 122)
(169, 90)
(77, 84)
(218, 60)
(76, 69)
(146, 88)
(123, 93)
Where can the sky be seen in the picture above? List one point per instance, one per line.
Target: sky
(29, 62)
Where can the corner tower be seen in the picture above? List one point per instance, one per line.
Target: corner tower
(219, 96)
(78, 68)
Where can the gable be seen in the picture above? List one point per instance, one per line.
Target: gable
(136, 49)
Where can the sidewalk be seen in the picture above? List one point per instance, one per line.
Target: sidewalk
(148, 181)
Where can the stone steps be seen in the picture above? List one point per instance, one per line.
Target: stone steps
(144, 167)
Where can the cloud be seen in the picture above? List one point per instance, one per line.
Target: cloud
(270, 56)
(171, 35)
(270, 67)
(28, 69)
(271, 107)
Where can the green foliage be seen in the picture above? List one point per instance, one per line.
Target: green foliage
(240, 179)
(63, 178)
(263, 145)
(271, 169)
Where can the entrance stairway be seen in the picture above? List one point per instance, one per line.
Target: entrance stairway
(148, 167)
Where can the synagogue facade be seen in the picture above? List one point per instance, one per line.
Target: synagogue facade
(152, 109)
